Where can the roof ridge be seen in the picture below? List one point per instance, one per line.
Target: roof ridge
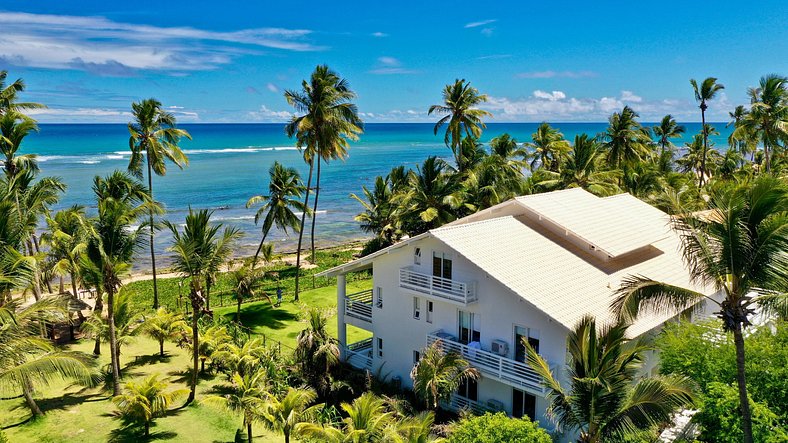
(472, 223)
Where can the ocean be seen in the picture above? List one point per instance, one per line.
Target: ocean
(229, 163)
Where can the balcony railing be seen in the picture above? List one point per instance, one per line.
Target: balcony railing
(359, 305)
(443, 288)
(505, 370)
(458, 403)
(359, 354)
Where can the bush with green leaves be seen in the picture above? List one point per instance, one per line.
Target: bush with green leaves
(720, 419)
(497, 428)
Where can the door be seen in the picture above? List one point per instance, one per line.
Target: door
(441, 268)
(469, 389)
(521, 333)
(468, 327)
(523, 404)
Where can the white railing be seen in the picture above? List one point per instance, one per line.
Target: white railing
(359, 305)
(444, 288)
(359, 354)
(511, 372)
(458, 403)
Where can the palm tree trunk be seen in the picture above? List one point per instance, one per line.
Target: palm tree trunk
(314, 212)
(161, 347)
(248, 430)
(259, 248)
(38, 251)
(74, 284)
(766, 160)
(195, 346)
(36, 276)
(287, 437)
(147, 428)
(746, 416)
(99, 307)
(27, 391)
(705, 145)
(208, 293)
(301, 229)
(113, 344)
(238, 310)
(62, 288)
(152, 254)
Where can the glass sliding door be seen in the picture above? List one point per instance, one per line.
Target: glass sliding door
(441, 268)
(468, 327)
(522, 333)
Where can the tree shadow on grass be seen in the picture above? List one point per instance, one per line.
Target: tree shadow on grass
(144, 360)
(133, 434)
(184, 376)
(263, 315)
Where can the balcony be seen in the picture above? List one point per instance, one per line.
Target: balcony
(494, 366)
(458, 403)
(454, 291)
(358, 309)
(359, 354)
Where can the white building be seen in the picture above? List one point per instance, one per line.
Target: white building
(527, 268)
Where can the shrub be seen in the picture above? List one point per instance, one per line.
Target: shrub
(497, 428)
(720, 419)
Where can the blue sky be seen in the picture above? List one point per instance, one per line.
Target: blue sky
(230, 61)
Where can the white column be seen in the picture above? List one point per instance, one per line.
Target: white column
(341, 327)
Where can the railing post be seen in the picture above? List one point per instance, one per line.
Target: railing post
(341, 327)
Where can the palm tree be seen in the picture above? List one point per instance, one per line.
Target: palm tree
(14, 127)
(666, 130)
(126, 317)
(434, 196)
(242, 359)
(247, 396)
(328, 121)
(367, 421)
(703, 93)
(581, 169)
(413, 429)
(212, 340)
(438, 374)
(461, 117)
(737, 249)
(548, 148)
(67, 239)
(143, 402)
(197, 250)
(381, 214)
(9, 93)
(316, 351)
(26, 359)
(737, 115)
(284, 190)
(112, 241)
(289, 413)
(163, 325)
(246, 281)
(696, 156)
(153, 135)
(624, 138)
(767, 120)
(607, 398)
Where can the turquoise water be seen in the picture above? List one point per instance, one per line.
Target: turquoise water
(229, 163)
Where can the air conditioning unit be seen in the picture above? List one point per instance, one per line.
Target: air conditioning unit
(500, 347)
(495, 405)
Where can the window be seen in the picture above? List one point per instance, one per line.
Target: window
(417, 256)
(380, 347)
(529, 334)
(468, 329)
(469, 389)
(379, 297)
(441, 269)
(416, 357)
(416, 308)
(429, 311)
(523, 404)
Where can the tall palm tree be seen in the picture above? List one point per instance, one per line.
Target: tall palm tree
(736, 249)
(14, 127)
(582, 168)
(461, 117)
(328, 121)
(163, 325)
(153, 135)
(438, 374)
(380, 215)
(246, 282)
(547, 148)
(703, 93)
(607, 399)
(667, 129)
(248, 393)
(9, 95)
(284, 190)
(767, 120)
(196, 251)
(67, 239)
(696, 156)
(289, 413)
(434, 196)
(113, 239)
(624, 138)
(144, 401)
(26, 359)
(737, 115)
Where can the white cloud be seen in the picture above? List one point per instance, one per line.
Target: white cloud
(552, 96)
(106, 47)
(267, 115)
(629, 96)
(389, 65)
(487, 31)
(556, 74)
(493, 56)
(389, 61)
(379, 34)
(272, 87)
(480, 23)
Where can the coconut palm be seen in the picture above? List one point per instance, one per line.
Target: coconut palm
(197, 250)
(242, 359)
(745, 144)
(14, 127)
(736, 249)
(624, 139)
(434, 196)
(703, 93)
(284, 190)
(153, 135)
(162, 326)
(367, 421)
(328, 121)
(767, 120)
(381, 215)
(142, 402)
(696, 156)
(498, 176)
(9, 95)
(247, 395)
(212, 339)
(438, 374)
(606, 398)
(413, 429)
(582, 168)
(27, 360)
(547, 148)
(316, 351)
(289, 413)
(666, 130)
(67, 240)
(461, 116)
(112, 241)
(246, 282)
(126, 317)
